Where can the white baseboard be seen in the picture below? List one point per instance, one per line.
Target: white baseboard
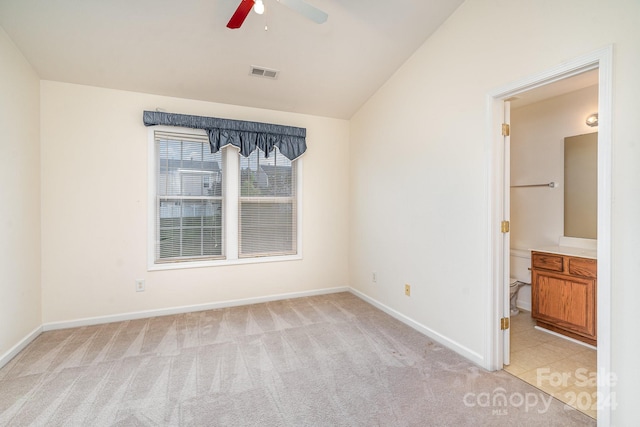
(524, 305)
(452, 345)
(458, 348)
(13, 351)
(539, 328)
(89, 321)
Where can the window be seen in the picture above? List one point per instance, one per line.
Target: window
(189, 198)
(222, 208)
(267, 205)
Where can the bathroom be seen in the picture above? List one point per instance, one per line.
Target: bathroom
(538, 130)
(542, 122)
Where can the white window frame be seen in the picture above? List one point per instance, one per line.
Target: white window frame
(231, 183)
(266, 199)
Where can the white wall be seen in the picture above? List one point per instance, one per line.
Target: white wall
(537, 156)
(419, 168)
(94, 209)
(19, 197)
(417, 173)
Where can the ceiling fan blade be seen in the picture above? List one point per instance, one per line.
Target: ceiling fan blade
(306, 9)
(240, 14)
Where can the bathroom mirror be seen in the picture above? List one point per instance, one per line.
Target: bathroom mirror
(581, 186)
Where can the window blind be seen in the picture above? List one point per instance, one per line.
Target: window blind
(267, 205)
(189, 198)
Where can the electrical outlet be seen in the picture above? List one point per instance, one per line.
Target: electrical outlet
(407, 290)
(139, 285)
(374, 277)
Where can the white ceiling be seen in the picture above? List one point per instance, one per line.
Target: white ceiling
(182, 48)
(560, 87)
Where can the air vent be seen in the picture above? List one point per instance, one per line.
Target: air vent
(263, 72)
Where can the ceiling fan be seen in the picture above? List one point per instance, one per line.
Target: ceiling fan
(299, 6)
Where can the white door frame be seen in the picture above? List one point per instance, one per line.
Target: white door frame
(601, 59)
(506, 237)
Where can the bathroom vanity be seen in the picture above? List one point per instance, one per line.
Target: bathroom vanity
(563, 291)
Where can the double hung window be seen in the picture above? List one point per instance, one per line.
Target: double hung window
(189, 198)
(267, 205)
(220, 208)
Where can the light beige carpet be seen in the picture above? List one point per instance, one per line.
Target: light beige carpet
(330, 360)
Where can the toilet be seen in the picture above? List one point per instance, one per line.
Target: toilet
(514, 287)
(519, 282)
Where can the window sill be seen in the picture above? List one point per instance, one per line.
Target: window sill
(220, 262)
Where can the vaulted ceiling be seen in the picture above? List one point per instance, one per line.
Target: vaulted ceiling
(182, 48)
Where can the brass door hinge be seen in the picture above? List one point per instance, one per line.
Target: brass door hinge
(504, 323)
(504, 227)
(506, 129)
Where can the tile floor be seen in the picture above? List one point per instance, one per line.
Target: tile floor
(562, 368)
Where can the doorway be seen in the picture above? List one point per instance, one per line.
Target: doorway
(499, 343)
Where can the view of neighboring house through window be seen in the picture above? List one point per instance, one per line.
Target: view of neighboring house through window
(189, 190)
(202, 212)
(267, 205)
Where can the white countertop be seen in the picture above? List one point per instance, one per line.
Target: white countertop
(569, 250)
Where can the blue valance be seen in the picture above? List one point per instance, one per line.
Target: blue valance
(247, 136)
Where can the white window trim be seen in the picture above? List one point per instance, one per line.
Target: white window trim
(230, 219)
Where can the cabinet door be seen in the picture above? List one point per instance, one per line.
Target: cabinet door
(568, 302)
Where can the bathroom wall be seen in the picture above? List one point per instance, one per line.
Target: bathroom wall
(537, 156)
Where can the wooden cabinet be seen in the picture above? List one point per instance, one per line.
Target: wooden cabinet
(563, 294)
